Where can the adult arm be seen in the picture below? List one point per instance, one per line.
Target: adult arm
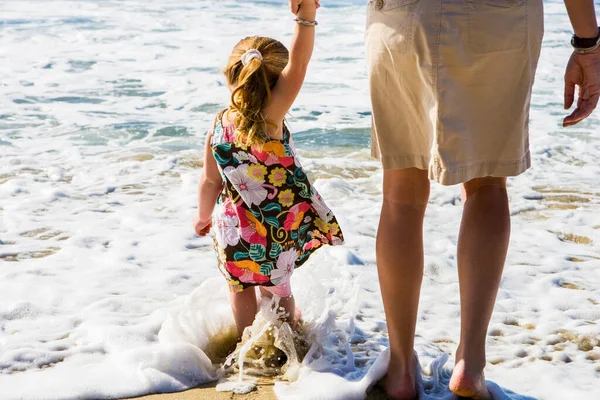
(583, 17)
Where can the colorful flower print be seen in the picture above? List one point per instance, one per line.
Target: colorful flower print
(250, 189)
(246, 271)
(227, 230)
(278, 176)
(285, 267)
(271, 153)
(267, 198)
(319, 205)
(295, 216)
(257, 171)
(286, 198)
(252, 230)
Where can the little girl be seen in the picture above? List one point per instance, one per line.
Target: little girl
(270, 218)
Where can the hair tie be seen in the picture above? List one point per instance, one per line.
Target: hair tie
(250, 55)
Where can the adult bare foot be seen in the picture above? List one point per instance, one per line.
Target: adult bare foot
(399, 388)
(400, 382)
(467, 384)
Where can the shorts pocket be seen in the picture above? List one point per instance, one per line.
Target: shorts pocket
(390, 25)
(497, 25)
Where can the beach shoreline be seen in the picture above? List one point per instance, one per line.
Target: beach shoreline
(264, 391)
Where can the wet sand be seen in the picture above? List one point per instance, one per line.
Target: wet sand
(264, 392)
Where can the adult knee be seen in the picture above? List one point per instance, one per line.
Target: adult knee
(406, 187)
(492, 186)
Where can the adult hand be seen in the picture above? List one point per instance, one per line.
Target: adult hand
(295, 4)
(202, 228)
(583, 70)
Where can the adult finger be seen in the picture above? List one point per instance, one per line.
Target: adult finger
(576, 116)
(590, 91)
(569, 93)
(582, 112)
(589, 106)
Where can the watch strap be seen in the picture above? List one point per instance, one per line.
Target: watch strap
(585, 43)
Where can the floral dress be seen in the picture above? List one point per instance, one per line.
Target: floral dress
(269, 218)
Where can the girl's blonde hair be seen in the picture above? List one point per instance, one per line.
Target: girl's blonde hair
(252, 85)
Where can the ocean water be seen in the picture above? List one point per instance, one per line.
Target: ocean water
(105, 292)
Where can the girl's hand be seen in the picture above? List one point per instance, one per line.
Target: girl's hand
(295, 4)
(202, 228)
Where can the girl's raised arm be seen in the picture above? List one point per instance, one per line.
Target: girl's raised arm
(290, 81)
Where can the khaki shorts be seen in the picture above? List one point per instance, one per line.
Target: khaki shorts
(451, 84)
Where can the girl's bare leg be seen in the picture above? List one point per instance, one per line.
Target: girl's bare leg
(288, 304)
(245, 307)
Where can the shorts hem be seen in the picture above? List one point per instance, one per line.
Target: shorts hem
(499, 169)
(405, 161)
(282, 290)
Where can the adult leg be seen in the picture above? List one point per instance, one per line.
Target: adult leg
(245, 307)
(400, 267)
(482, 248)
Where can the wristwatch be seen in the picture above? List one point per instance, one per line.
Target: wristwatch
(585, 45)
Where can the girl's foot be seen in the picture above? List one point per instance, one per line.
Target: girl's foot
(297, 318)
(469, 385)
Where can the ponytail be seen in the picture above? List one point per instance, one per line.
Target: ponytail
(264, 59)
(248, 99)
